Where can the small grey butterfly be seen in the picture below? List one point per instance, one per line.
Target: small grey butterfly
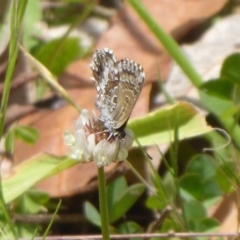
(118, 85)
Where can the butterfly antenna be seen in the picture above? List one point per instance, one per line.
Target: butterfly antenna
(143, 150)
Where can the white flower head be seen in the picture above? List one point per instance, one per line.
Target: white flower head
(92, 142)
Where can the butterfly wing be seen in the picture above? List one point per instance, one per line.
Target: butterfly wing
(103, 67)
(118, 87)
(131, 78)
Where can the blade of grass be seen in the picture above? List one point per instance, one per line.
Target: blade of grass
(51, 222)
(17, 13)
(47, 75)
(13, 52)
(168, 42)
(141, 179)
(34, 234)
(177, 218)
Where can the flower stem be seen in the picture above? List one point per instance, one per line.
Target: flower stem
(103, 203)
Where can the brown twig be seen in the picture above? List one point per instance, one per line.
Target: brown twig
(46, 218)
(157, 224)
(143, 235)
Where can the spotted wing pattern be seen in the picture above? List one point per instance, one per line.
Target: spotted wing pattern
(118, 87)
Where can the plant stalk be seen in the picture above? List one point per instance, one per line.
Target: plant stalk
(103, 203)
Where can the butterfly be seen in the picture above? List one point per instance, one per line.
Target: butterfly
(118, 85)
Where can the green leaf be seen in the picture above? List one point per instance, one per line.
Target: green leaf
(200, 181)
(9, 141)
(33, 15)
(218, 87)
(27, 134)
(168, 225)
(216, 139)
(236, 95)
(223, 182)
(114, 191)
(92, 214)
(130, 227)
(57, 54)
(159, 126)
(170, 186)
(29, 205)
(204, 225)
(26, 230)
(38, 196)
(226, 175)
(153, 202)
(191, 186)
(125, 201)
(28, 173)
(202, 165)
(217, 105)
(211, 189)
(32, 201)
(230, 69)
(226, 112)
(194, 210)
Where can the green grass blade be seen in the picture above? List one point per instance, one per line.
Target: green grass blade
(24, 175)
(52, 220)
(47, 75)
(17, 13)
